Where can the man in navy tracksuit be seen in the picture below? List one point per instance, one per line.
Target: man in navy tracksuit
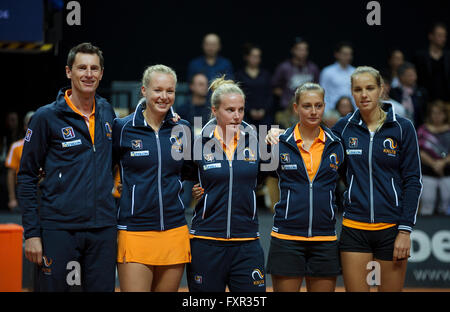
(71, 234)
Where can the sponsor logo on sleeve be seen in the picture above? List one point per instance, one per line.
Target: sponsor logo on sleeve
(28, 135)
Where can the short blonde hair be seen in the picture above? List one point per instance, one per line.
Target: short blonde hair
(308, 86)
(220, 87)
(159, 68)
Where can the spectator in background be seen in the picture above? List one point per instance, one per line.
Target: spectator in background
(343, 107)
(412, 97)
(11, 133)
(255, 82)
(211, 63)
(13, 164)
(434, 144)
(335, 78)
(293, 72)
(433, 64)
(198, 104)
(385, 97)
(396, 58)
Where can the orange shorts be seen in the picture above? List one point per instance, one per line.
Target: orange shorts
(154, 247)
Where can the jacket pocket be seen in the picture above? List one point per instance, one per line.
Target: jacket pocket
(179, 198)
(287, 204)
(395, 192)
(349, 193)
(254, 205)
(204, 206)
(132, 199)
(331, 205)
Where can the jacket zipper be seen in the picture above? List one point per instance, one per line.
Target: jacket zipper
(159, 182)
(230, 193)
(311, 193)
(372, 214)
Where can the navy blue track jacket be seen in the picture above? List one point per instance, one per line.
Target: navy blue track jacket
(227, 208)
(383, 171)
(307, 208)
(76, 191)
(151, 165)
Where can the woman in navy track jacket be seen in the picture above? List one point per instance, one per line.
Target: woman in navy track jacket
(384, 186)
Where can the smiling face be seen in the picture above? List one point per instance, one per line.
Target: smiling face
(230, 113)
(366, 92)
(85, 74)
(310, 108)
(160, 93)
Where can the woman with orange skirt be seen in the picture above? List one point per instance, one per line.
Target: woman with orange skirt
(153, 237)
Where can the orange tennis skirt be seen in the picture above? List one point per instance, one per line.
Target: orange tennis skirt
(154, 247)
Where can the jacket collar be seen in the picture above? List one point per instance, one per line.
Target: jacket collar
(62, 106)
(208, 129)
(138, 115)
(289, 137)
(355, 118)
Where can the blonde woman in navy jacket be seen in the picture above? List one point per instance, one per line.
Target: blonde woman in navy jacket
(225, 239)
(153, 237)
(384, 187)
(304, 242)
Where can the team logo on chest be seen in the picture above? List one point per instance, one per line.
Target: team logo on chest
(334, 161)
(137, 145)
(390, 147)
(353, 142)
(249, 155)
(177, 144)
(285, 158)
(108, 130)
(209, 157)
(68, 133)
